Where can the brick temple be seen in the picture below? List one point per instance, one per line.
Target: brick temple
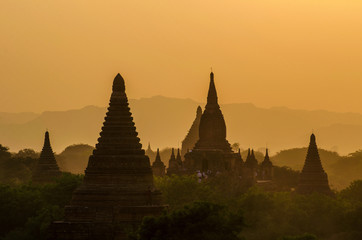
(118, 189)
(47, 168)
(313, 178)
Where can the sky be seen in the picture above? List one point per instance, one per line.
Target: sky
(60, 55)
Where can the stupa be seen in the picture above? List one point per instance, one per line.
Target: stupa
(158, 167)
(47, 168)
(313, 178)
(118, 189)
(212, 152)
(266, 168)
(193, 135)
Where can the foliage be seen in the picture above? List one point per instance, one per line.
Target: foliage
(285, 178)
(26, 210)
(200, 220)
(18, 168)
(270, 215)
(75, 158)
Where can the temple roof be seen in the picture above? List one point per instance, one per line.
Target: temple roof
(312, 161)
(47, 167)
(212, 129)
(266, 162)
(158, 162)
(178, 157)
(118, 135)
(251, 161)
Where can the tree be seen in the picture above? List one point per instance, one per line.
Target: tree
(200, 220)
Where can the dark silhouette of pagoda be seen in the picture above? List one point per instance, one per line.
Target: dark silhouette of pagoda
(179, 159)
(173, 165)
(313, 178)
(149, 152)
(251, 166)
(212, 152)
(158, 167)
(118, 189)
(266, 168)
(193, 135)
(47, 168)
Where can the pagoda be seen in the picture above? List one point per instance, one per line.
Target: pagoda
(178, 159)
(212, 152)
(47, 168)
(173, 165)
(251, 166)
(149, 152)
(158, 167)
(118, 189)
(313, 178)
(193, 135)
(266, 168)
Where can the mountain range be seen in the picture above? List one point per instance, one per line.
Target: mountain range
(164, 122)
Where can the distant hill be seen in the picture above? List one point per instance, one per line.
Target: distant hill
(165, 121)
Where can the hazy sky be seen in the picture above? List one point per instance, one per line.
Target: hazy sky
(63, 54)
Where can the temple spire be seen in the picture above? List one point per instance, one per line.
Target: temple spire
(47, 167)
(118, 84)
(212, 95)
(313, 178)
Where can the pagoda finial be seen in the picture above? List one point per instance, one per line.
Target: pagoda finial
(312, 138)
(46, 140)
(212, 95)
(118, 84)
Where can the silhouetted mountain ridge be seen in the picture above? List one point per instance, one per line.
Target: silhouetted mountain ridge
(164, 122)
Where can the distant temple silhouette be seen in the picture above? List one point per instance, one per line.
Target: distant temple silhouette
(193, 135)
(158, 167)
(47, 168)
(212, 152)
(313, 178)
(118, 189)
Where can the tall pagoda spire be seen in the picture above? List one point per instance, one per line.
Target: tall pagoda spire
(118, 188)
(47, 167)
(313, 178)
(212, 95)
(212, 130)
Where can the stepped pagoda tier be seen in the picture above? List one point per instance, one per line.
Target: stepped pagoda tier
(47, 168)
(212, 152)
(266, 168)
(158, 167)
(193, 135)
(118, 189)
(173, 166)
(313, 178)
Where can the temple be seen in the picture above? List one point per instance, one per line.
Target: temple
(251, 166)
(149, 152)
(266, 168)
(158, 167)
(47, 168)
(173, 165)
(118, 189)
(212, 152)
(193, 135)
(313, 178)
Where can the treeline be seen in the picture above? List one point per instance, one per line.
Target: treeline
(26, 210)
(223, 208)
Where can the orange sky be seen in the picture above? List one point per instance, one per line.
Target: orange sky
(58, 55)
